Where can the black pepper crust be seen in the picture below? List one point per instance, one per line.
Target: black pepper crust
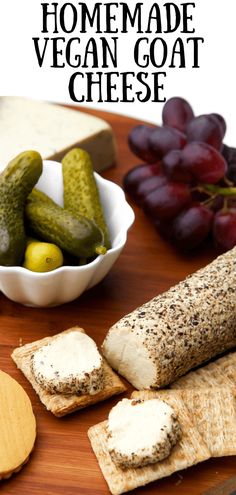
(190, 323)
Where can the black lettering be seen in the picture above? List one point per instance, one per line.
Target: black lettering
(92, 82)
(173, 17)
(140, 77)
(46, 13)
(135, 18)
(40, 56)
(137, 53)
(158, 87)
(126, 87)
(155, 14)
(111, 86)
(56, 52)
(86, 17)
(91, 49)
(71, 87)
(77, 57)
(187, 17)
(74, 17)
(108, 52)
(195, 50)
(110, 17)
(178, 49)
(154, 51)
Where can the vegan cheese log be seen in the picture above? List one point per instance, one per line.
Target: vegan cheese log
(178, 330)
(141, 432)
(52, 130)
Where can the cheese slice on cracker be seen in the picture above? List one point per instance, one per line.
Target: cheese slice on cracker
(61, 404)
(213, 412)
(190, 450)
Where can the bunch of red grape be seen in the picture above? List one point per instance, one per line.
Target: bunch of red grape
(187, 183)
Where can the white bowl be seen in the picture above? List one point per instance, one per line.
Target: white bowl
(68, 282)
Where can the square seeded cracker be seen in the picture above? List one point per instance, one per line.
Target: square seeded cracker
(62, 404)
(220, 373)
(190, 450)
(210, 395)
(213, 412)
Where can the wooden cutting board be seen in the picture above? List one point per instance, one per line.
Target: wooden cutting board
(62, 461)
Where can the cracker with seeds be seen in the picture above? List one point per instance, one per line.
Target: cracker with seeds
(190, 450)
(213, 412)
(61, 404)
(220, 373)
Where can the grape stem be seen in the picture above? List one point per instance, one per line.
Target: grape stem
(228, 182)
(201, 189)
(222, 191)
(225, 205)
(209, 201)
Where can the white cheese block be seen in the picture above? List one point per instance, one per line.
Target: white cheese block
(141, 432)
(52, 130)
(71, 363)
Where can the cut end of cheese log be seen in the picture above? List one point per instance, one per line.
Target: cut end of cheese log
(125, 352)
(52, 130)
(178, 330)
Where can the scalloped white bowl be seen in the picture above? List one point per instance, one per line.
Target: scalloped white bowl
(68, 282)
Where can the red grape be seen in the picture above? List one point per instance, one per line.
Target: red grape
(232, 172)
(232, 202)
(229, 153)
(192, 226)
(137, 175)
(177, 113)
(138, 140)
(164, 139)
(224, 229)
(149, 185)
(183, 184)
(167, 201)
(217, 203)
(203, 162)
(222, 122)
(207, 129)
(172, 167)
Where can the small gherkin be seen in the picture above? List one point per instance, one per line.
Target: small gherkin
(76, 235)
(81, 195)
(16, 182)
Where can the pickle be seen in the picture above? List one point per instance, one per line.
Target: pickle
(78, 235)
(16, 182)
(81, 195)
(40, 196)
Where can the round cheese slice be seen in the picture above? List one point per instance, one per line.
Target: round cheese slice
(69, 364)
(141, 432)
(17, 426)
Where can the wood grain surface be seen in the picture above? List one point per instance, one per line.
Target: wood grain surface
(62, 461)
